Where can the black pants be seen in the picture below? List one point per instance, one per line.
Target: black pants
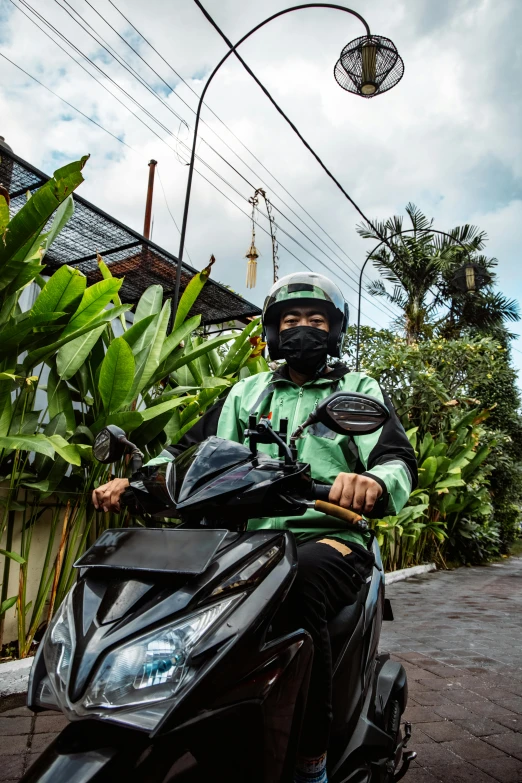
(331, 572)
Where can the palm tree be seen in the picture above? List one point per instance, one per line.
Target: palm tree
(420, 270)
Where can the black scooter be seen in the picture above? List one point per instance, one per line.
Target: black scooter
(168, 654)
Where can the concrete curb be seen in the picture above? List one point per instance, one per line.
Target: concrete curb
(14, 676)
(406, 573)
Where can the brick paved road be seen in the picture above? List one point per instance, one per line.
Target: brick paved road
(459, 635)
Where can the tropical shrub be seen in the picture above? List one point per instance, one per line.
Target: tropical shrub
(69, 365)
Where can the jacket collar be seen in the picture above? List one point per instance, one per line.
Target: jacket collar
(336, 373)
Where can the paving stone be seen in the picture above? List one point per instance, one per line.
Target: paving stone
(513, 704)
(510, 743)
(421, 776)
(452, 711)
(482, 727)
(513, 722)
(505, 770)
(435, 755)
(444, 731)
(430, 698)
(489, 709)
(463, 696)
(421, 715)
(11, 767)
(474, 748)
(10, 726)
(461, 773)
(10, 746)
(41, 741)
(45, 724)
(23, 712)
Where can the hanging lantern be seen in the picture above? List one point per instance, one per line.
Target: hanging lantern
(471, 277)
(369, 66)
(252, 256)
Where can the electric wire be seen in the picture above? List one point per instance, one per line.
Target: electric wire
(231, 132)
(86, 116)
(109, 49)
(161, 139)
(167, 130)
(167, 205)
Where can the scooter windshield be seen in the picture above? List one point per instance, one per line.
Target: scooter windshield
(205, 462)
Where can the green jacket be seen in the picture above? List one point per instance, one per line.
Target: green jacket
(386, 455)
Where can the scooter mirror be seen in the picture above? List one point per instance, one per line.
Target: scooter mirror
(351, 412)
(110, 444)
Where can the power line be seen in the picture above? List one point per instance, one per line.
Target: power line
(167, 130)
(66, 102)
(161, 139)
(226, 127)
(124, 63)
(167, 205)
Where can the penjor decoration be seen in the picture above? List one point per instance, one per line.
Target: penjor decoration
(252, 253)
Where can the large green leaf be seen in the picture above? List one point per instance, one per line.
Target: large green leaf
(43, 353)
(179, 334)
(152, 356)
(94, 300)
(116, 374)
(4, 210)
(236, 351)
(62, 291)
(127, 420)
(5, 406)
(184, 357)
(427, 472)
(157, 410)
(191, 293)
(106, 274)
(481, 455)
(38, 443)
(72, 356)
(57, 426)
(59, 400)
(68, 451)
(32, 217)
(16, 330)
(7, 604)
(133, 334)
(149, 304)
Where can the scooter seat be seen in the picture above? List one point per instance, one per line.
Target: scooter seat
(342, 626)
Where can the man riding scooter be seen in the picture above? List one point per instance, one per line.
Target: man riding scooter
(304, 320)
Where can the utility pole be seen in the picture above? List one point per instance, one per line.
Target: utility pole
(148, 206)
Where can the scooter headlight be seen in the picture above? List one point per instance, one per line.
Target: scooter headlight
(59, 646)
(155, 666)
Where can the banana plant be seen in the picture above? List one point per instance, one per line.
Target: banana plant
(452, 487)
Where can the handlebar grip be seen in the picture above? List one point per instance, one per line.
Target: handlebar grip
(321, 491)
(339, 513)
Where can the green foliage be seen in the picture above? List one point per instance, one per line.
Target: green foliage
(66, 351)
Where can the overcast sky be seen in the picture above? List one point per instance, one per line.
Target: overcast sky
(448, 137)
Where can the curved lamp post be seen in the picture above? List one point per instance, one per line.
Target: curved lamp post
(464, 271)
(368, 66)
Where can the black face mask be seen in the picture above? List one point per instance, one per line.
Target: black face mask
(304, 348)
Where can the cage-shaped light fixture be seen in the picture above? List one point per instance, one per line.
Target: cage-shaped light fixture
(369, 66)
(471, 277)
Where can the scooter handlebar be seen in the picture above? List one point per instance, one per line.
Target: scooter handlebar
(321, 493)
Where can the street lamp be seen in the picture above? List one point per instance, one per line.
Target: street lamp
(367, 67)
(467, 278)
(471, 278)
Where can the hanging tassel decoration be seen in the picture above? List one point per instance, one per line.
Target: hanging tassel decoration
(252, 256)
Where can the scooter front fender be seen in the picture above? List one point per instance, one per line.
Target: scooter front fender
(87, 752)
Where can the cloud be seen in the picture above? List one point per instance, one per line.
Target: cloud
(447, 138)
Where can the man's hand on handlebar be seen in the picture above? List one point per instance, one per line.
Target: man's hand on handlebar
(107, 497)
(359, 493)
